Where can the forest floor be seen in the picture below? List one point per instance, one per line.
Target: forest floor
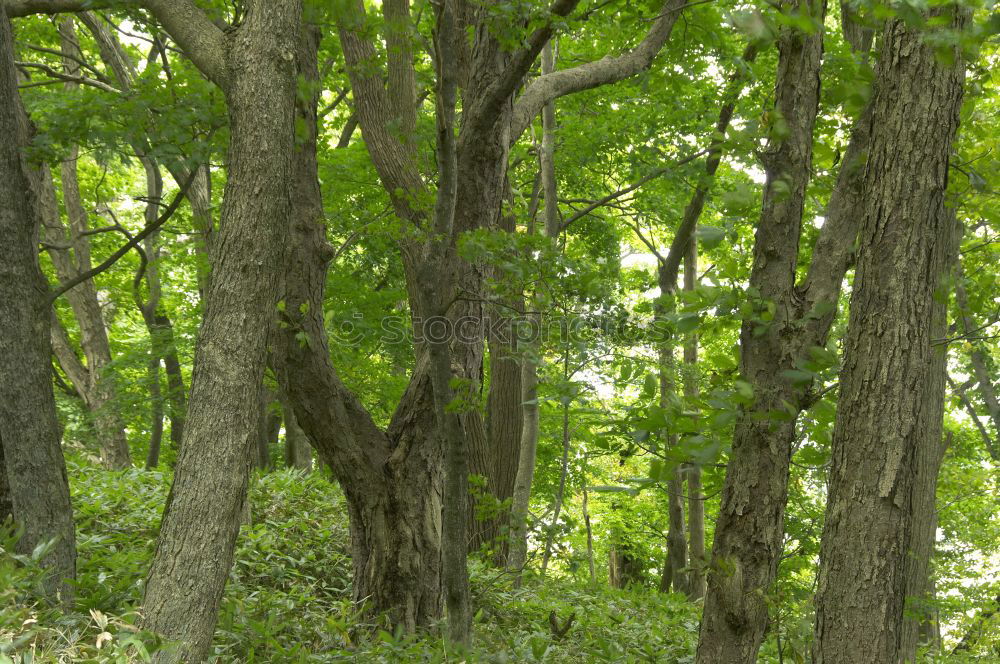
(289, 598)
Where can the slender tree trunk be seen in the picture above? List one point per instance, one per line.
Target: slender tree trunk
(155, 412)
(676, 558)
(526, 459)
(83, 299)
(696, 499)
(531, 355)
(888, 351)
(297, 452)
(36, 484)
(590, 539)
(560, 496)
(194, 551)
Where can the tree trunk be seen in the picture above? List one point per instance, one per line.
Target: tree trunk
(194, 551)
(560, 496)
(29, 430)
(531, 355)
(696, 499)
(525, 463)
(888, 351)
(928, 455)
(392, 479)
(676, 558)
(6, 500)
(750, 525)
(155, 412)
(297, 452)
(101, 396)
(268, 427)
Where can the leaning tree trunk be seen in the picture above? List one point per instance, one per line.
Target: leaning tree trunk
(749, 529)
(35, 473)
(255, 67)
(888, 351)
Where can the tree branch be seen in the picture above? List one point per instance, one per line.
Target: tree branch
(632, 187)
(128, 246)
(195, 32)
(56, 74)
(485, 110)
(594, 74)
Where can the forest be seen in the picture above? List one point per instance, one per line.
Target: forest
(497, 331)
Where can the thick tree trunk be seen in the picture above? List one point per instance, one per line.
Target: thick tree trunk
(750, 525)
(194, 551)
(392, 479)
(503, 433)
(36, 484)
(888, 352)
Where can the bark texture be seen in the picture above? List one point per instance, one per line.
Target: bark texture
(198, 533)
(38, 491)
(888, 352)
(749, 529)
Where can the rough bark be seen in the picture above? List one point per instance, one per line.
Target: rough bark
(749, 529)
(29, 430)
(194, 551)
(919, 615)
(391, 479)
(888, 352)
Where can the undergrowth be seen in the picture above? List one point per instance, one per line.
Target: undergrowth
(289, 594)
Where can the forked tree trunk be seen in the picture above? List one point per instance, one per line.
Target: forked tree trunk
(36, 487)
(885, 401)
(750, 526)
(392, 479)
(254, 65)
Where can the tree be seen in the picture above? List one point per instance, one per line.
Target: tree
(786, 332)
(254, 66)
(887, 394)
(29, 431)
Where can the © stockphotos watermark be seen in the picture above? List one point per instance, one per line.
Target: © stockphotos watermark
(518, 330)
